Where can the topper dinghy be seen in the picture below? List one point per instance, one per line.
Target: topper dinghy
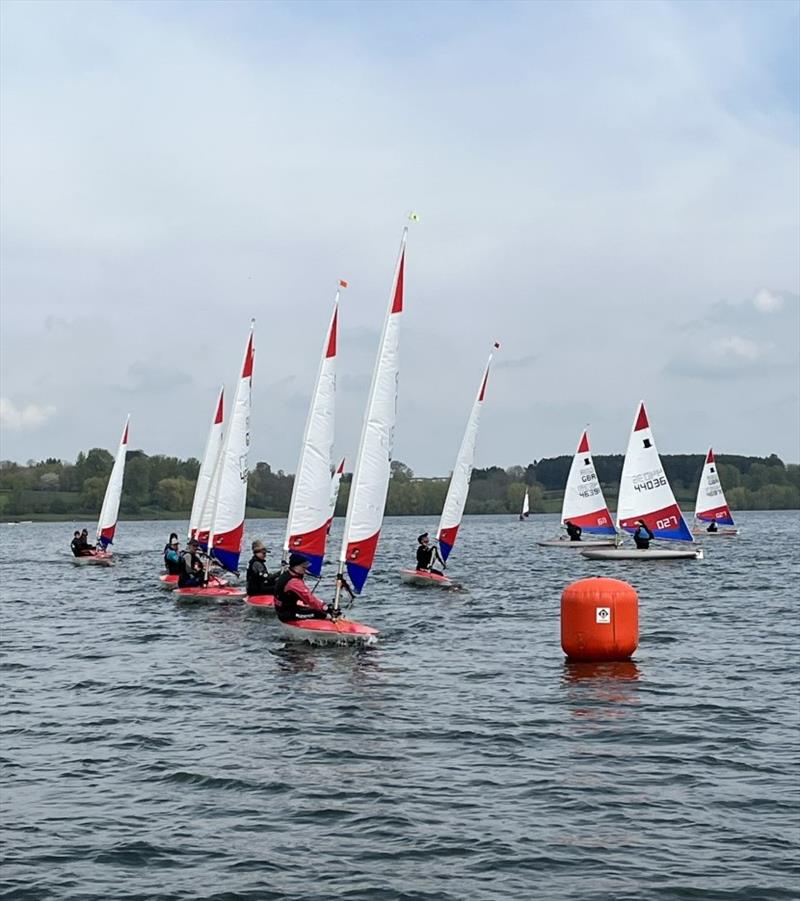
(526, 507)
(109, 512)
(711, 506)
(584, 504)
(228, 488)
(370, 484)
(457, 491)
(645, 494)
(309, 519)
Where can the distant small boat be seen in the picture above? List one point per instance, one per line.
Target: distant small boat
(645, 494)
(526, 507)
(109, 512)
(711, 506)
(584, 504)
(457, 491)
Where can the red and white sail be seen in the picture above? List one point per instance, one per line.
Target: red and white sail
(107, 523)
(644, 492)
(368, 490)
(457, 490)
(336, 480)
(203, 503)
(230, 483)
(584, 504)
(309, 508)
(711, 505)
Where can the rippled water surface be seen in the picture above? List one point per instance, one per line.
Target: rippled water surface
(152, 751)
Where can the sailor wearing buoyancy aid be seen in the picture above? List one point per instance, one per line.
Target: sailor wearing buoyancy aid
(293, 598)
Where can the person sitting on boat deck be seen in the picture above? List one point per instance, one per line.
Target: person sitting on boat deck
(293, 599)
(84, 548)
(426, 554)
(172, 556)
(260, 580)
(712, 527)
(642, 536)
(191, 573)
(75, 543)
(573, 531)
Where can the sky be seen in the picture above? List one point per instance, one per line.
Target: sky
(611, 190)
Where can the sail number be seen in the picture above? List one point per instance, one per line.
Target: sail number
(666, 523)
(657, 482)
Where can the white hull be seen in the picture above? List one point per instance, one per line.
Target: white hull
(658, 553)
(720, 533)
(576, 545)
(98, 560)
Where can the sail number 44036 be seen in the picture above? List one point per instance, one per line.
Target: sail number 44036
(658, 482)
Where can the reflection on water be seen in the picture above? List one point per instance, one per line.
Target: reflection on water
(610, 683)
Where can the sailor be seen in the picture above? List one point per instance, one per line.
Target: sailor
(84, 548)
(191, 573)
(712, 527)
(573, 531)
(259, 579)
(642, 536)
(75, 544)
(172, 557)
(426, 554)
(293, 598)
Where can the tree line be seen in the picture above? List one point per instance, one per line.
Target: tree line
(160, 486)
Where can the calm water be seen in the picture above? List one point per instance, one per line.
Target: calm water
(151, 751)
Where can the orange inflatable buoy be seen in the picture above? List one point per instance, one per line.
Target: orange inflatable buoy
(599, 620)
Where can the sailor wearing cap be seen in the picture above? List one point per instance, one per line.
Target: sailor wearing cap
(172, 557)
(426, 554)
(293, 599)
(191, 573)
(259, 579)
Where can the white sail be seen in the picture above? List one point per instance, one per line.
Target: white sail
(644, 492)
(370, 484)
(307, 525)
(107, 523)
(526, 505)
(458, 488)
(227, 520)
(206, 475)
(711, 505)
(584, 504)
(336, 480)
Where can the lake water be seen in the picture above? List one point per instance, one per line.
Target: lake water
(156, 751)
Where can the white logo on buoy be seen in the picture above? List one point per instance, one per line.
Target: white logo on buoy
(602, 614)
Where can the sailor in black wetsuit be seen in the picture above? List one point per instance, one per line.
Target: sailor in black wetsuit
(82, 544)
(191, 572)
(172, 557)
(573, 531)
(75, 544)
(426, 554)
(293, 599)
(259, 579)
(712, 527)
(642, 536)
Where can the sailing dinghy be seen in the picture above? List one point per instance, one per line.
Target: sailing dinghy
(645, 494)
(227, 495)
(457, 491)
(584, 504)
(370, 485)
(711, 505)
(310, 514)
(204, 479)
(526, 507)
(109, 512)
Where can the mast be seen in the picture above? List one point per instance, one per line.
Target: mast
(711, 505)
(109, 511)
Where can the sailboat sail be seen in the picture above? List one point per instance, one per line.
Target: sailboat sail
(227, 521)
(201, 509)
(526, 506)
(584, 504)
(336, 480)
(644, 492)
(458, 488)
(711, 505)
(307, 526)
(371, 474)
(107, 523)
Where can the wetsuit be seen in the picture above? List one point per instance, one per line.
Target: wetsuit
(712, 527)
(425, 559)
(172, 560)
(294, 600)
(259, 578)
(574, 531)
(642, 538)
(75, 545)
(189, 575)
(84, 548)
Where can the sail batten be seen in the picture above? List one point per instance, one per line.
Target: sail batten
(370, 484)
(308, 521)
(584, 504)
(109, 511)
(644, 492)
(458, 489)
(711, 505)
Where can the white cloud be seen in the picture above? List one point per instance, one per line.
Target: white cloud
(738, 348)
(30, 416)
(767, 302)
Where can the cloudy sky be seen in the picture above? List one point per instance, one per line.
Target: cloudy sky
(609, 189)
